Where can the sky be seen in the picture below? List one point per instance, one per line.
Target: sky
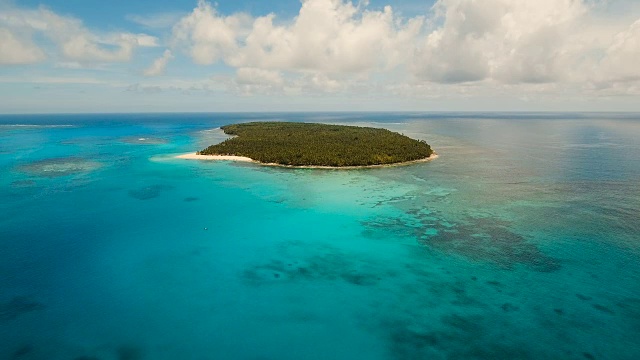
(75, 56)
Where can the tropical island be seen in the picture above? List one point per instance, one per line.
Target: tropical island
(315, 145)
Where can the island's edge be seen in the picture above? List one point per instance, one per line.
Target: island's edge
(195, 156)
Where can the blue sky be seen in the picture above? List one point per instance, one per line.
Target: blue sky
(319, 55)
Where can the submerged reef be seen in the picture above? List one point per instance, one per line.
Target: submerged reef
(60, 167)
(478, 238)
(148, 192)
(327, 267)
(17, 306)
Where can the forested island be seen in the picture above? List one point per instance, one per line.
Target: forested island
(322, 145)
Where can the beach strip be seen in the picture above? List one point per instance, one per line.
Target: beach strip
(195, 156)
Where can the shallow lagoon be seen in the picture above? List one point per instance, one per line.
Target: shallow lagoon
(521, 241)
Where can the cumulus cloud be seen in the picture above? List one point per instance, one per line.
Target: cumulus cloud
(495, 42)
(208, 36)
(507, 40)
(622, 58)
(329, 36)
(326, 36)
(15, 51)
(159, 65)
(459, 47)
(73, 40)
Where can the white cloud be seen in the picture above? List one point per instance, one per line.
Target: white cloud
(460, 48)
(208, 36)
(621, 62)
(328, 36)
(14, 51)
(492, 42)
(253, 76)
(74, 41)
(159, 65)
(506, 40)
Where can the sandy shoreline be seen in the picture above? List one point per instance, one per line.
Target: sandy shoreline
(194, 156)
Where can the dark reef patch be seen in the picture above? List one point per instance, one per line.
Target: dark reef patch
(191, 199)
(327, 268)
(129, 352)
(559, 311)
(462, 337)
(330, 266)
(148, 192)
(584, 297)
(21, 352)
(508, 307)
(17, 306)
(477, 238)
(604, 309)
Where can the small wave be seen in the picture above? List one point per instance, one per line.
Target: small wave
(145, 140)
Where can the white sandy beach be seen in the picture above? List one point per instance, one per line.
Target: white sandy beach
(195, 156)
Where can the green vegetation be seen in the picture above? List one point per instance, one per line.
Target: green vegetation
(304, 144)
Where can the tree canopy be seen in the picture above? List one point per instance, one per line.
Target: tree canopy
(310, 144)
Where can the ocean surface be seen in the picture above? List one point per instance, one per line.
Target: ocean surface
(521, 241)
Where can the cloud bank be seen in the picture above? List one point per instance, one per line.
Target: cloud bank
(493, 42)
(459, 48)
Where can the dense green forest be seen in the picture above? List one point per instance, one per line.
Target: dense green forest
(307, 144)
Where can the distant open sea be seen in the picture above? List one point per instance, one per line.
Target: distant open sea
(521, 241)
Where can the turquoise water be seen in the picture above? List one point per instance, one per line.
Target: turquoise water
(521, 241)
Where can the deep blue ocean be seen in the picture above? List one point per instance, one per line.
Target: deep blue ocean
(521, 241)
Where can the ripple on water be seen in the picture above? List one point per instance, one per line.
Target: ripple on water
(144, 140)
(23, 184)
